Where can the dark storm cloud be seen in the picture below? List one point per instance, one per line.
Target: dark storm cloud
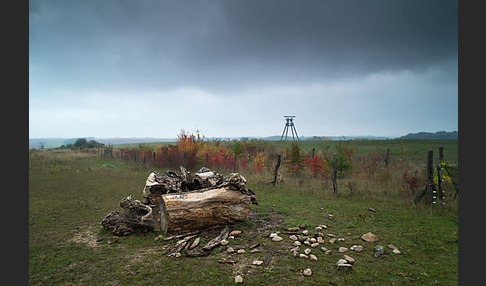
(216, 44)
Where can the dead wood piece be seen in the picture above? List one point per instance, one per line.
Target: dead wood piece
(217, 240)
(179, 245)
(136, 216)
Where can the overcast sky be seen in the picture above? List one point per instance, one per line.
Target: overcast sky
(119, 68)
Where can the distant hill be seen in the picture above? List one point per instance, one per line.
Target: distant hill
(443, 135)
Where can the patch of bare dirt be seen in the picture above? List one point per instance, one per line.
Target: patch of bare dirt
(85, 236)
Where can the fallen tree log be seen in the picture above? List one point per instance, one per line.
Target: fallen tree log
(177, 204)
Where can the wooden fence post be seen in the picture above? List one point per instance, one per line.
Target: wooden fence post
(334, 174)
(275, 174)
(387, 157)
(234, 166)
(429, 191)
(153, 155)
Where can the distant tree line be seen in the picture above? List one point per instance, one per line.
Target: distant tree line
(83, 143)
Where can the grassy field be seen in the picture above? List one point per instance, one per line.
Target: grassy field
(70, 193)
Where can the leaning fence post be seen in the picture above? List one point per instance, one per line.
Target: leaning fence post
(387, 157)
(275, 174)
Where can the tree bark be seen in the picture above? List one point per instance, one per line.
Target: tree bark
(178, 204)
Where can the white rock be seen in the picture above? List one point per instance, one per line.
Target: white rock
(313, 257)
(318, 228)
(348, 259)
(295, 253)
(396, 251)
(341, 261)
(297, 243)
(305, 232)
(320, 240)
(230, 250)
(341, 239)
(344, 267)
(307, 251)
(224, 242)
(277, 238)
(323, 249)
(357, 248)
(312, 240)
(240, 251)
(307, 242)
(238, 279)
(307, 272)
(273, 234)
(257, 262)
(332, 240)
(315, 244)
(342, 249)
(235, 233)
(293, 237)
(303, 256)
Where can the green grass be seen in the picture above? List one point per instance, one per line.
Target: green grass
(70, 193)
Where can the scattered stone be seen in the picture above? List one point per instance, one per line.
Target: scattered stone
(313, 257)
(255, 250)
(332, 240)
(301, 237)
(330, 235)
(345, 267)
(224, 242)
(235, 233)
(357, 248)
(297, 243)
(230, 250)
(307, 243)
(303, 256)
(295, 228)
(372, 210)
(273, 234)
(369, 237)
(312, 240)
(323, 249)
(320, 240)
(330, 216)
(315, 244)
(257, 262)
(328, 252)
(293, 237)
(324, 226)
(395, 249)
(238, 279)
(341, 261)
(379, 250)
(307, 272)
(240, 251)
(158, 237)
(277, 238)
(307, 251)
(255, 245)
(302, 226)
(295, 253)
(341, 239)
(177, 255)
(305, 232)
(231, 237)
(342, 249)
(349, 259)
(318, 228)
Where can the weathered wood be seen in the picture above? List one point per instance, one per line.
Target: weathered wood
(334, 174)
(179, 245)
(217, 240)
(182, 204)
(429, 191)
(387, 157)
(275, 174)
